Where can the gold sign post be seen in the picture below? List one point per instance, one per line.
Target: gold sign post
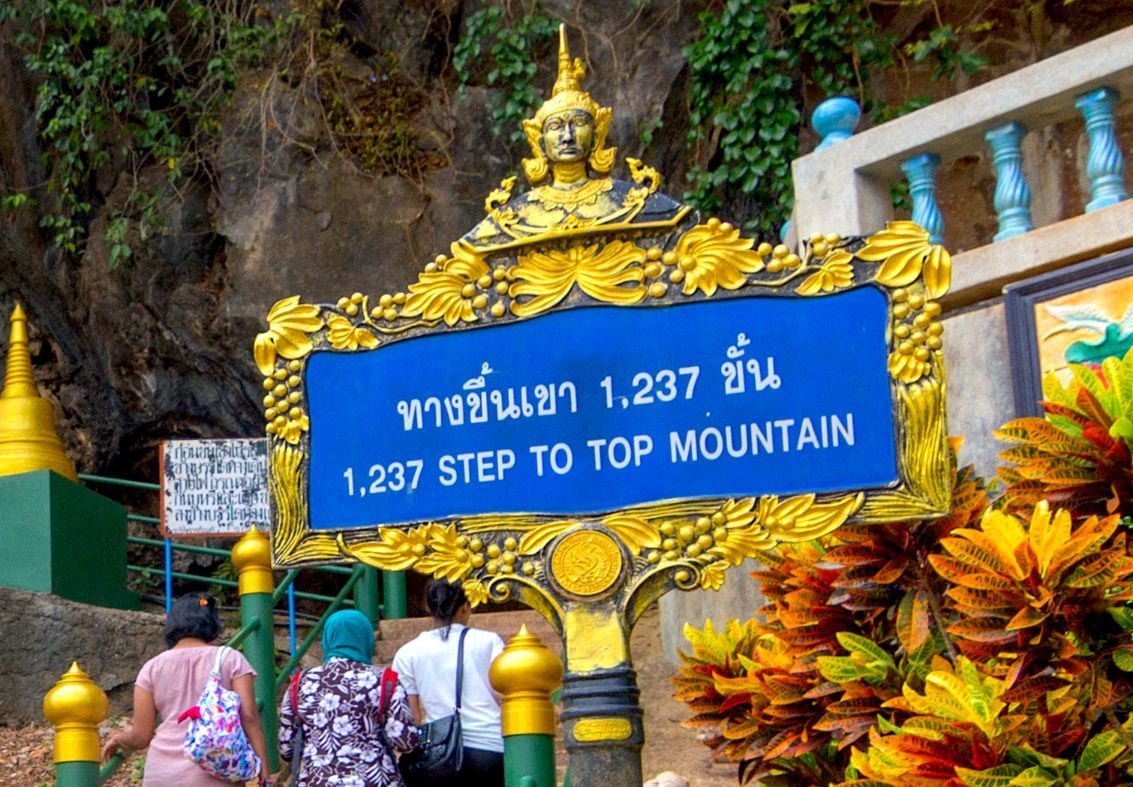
(484, 428)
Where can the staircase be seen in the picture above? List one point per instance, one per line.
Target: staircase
(392, 634)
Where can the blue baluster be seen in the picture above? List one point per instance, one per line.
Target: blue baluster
(1012, 194)
(921, 172)
(1105, 166)
(835, 119)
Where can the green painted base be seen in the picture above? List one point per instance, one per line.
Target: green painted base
(61, 538)
(529, 761)
(76, 774)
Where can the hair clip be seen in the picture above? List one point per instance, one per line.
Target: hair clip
(204, 602)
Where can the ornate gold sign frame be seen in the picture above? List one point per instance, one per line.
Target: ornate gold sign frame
(689, 543)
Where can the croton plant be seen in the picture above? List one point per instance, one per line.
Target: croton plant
(991, 647)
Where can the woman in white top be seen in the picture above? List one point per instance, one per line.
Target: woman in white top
(426, 668)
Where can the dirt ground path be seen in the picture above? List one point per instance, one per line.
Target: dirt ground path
(668, 745)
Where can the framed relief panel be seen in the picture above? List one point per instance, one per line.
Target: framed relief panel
(1081, 314)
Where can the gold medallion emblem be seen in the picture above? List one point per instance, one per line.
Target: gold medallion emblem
(586, 563)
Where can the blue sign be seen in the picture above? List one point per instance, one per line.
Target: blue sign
(602, 408)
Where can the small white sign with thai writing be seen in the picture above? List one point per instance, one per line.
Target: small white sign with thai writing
(213, 487)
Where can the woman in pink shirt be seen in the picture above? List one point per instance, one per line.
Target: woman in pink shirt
(171, 682)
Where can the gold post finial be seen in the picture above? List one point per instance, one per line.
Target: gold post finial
(251, 556)
(28, 440)
(526, 673)
(75, 706)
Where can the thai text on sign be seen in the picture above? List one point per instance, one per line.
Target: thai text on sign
(213, 487)
(600, 408)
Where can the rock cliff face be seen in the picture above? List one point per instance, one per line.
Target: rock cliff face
(160, 347)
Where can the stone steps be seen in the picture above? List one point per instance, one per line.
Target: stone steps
(392, 634)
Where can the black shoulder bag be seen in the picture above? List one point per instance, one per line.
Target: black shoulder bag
(440, 753)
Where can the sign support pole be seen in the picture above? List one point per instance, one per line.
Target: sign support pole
(394, 605)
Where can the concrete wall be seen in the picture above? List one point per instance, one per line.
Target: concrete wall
(739, 598)
(41, 635)
(978, 382)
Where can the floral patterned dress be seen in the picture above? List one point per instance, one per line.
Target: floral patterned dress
(346, 743)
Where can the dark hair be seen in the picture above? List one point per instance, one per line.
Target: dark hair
(444, 599)
(192, 615)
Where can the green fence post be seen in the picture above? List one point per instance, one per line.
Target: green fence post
(367, 596)
(525, 674)
(252, 557)
(75, 706)
(393, 594)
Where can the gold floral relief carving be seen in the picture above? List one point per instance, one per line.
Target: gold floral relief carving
(451, 289)
(715, 255)
(290, 325)
(610, 273)
(699, 542)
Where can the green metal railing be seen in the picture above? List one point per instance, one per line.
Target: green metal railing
(108, 770)
(256, 638)
(375, 594)
(333, 605)
(528, 731)
(392, 593)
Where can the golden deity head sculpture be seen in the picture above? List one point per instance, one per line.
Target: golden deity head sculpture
(569, 130)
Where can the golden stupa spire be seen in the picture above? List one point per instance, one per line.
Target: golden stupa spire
(28, 440)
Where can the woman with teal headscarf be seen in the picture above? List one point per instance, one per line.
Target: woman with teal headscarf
(353, 715)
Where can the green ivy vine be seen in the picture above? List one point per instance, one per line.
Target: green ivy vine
(497, 47)
(131, 94)
(748, 66)
(123, 86)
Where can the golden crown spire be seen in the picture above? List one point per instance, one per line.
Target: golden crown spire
(28, 440)
(567, 92)
(570, 72)
(18, 379)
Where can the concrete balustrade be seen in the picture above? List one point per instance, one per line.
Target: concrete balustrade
(921, 172)
(845, 188)
(1105, 166)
